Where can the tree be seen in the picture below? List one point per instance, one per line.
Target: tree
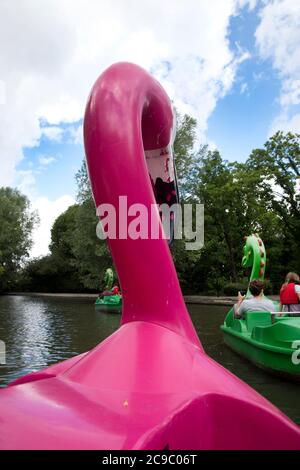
(276, 169)
(62, 234)
(187, 157)
(91, 255)
(233, 209)
(17, 223)
(279, 166)
(62, 250)
(84, 192)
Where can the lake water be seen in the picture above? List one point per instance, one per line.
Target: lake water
(41, 331)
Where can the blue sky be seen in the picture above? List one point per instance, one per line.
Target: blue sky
(241, 120)
(55, 161)
(232, 64)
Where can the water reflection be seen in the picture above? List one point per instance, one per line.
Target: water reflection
(39, 332)
(33, 327)
(42, 331)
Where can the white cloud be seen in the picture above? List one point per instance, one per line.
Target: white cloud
(278, 39)
(48, 211)
(285, 123)
(46, 161)
(26, 182)
(51, 56)
(76, 134)
(251, 4)
(244, 88)
(54, 133)
(195, 85)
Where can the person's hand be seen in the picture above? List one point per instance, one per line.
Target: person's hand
(240, 297)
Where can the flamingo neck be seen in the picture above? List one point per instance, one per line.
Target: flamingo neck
(128, 114)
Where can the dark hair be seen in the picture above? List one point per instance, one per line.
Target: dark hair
(256, 287)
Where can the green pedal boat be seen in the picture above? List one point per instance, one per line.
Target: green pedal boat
(274, 347)
(109, 301)
(109, 304)
(267, 340)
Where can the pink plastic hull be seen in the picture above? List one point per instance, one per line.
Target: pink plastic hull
(122, 395)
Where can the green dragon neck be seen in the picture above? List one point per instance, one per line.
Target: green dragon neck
(255, 256)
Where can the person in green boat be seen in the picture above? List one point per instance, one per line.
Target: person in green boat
(116, 291)
(290, 295)
(257, 303)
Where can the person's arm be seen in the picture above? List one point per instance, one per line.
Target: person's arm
(280, 310)
(237, 307)
(297, 290)
(275, 307)
(280, 306)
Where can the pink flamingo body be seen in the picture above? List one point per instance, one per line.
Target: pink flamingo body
(150, 385)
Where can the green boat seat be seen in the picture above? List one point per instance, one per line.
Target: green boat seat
(281, 334)
(254, 319)
(229, 318)
(235, 323)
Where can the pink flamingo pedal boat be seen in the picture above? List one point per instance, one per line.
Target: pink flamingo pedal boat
(150, 385)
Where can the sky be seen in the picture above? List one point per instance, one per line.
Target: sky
(232, 64)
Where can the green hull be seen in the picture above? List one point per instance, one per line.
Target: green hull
(109, 304)
(270, 345)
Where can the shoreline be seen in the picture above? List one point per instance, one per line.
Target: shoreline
(189, 299)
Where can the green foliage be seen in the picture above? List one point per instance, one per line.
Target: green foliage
(17, 222)
(276, 170)
(232, 209)
(91, 255)
(187, 158)
(240, 199)
(186, 263)
(84, 192)
(62, 233)
(232, 288)
(49, 274)
(78, 258)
